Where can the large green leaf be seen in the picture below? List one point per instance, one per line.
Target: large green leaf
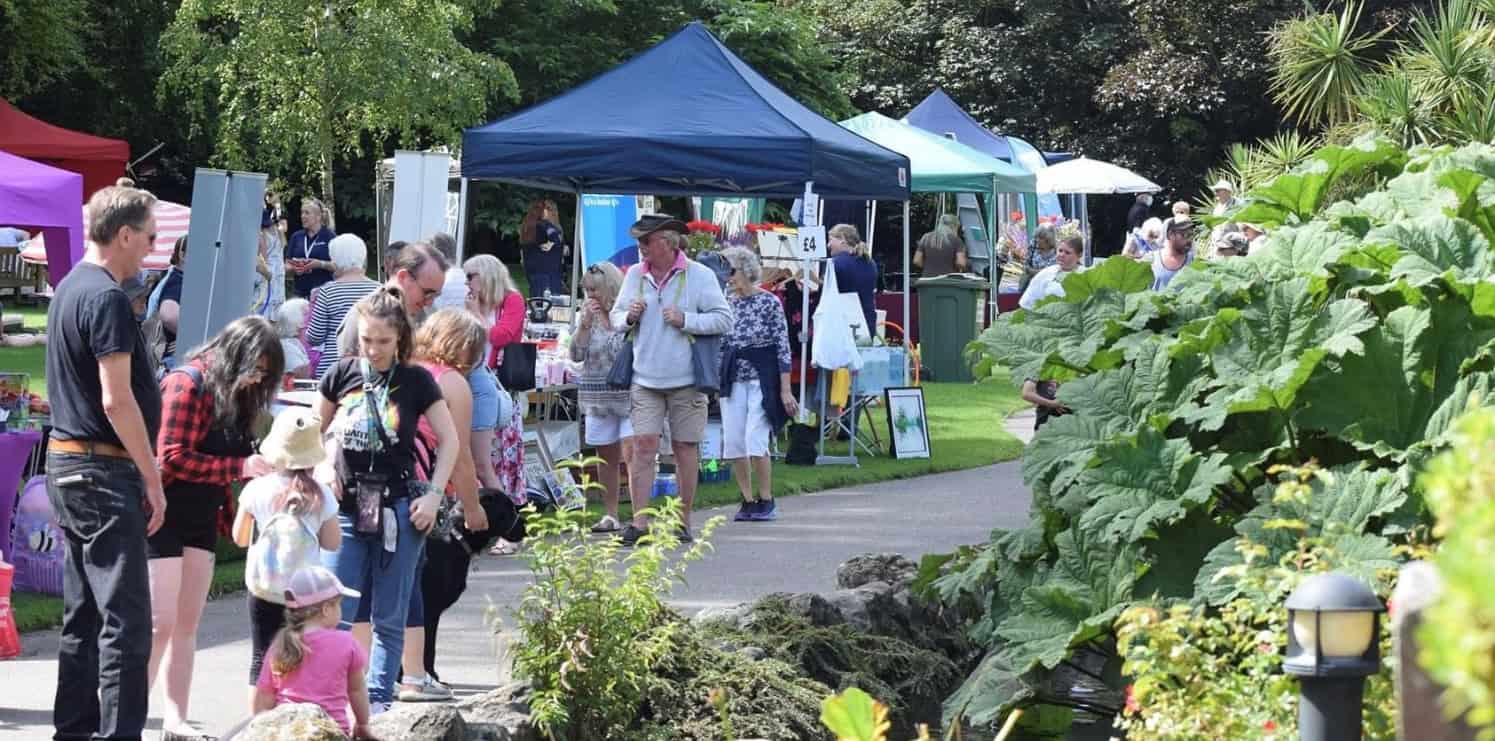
(1138, 485)
(1305, 250)
(1059, 340)
(1433, 246)
(1386, 398)
(993, 689)
(1279, 340)
(1117, 273)
(1298, 195)
(1177, 554)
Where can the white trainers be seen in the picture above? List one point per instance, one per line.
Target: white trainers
(423, 689)
(378, 708)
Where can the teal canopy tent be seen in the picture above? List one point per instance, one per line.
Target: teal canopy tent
(941, 165)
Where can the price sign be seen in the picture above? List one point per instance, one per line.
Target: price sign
(811, 241)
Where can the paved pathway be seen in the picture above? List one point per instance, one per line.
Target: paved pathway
(799, 552)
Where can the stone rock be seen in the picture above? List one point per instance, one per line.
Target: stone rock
(735, 616)
(502, 714)
(421, 722)
(295, 722)
(890, 568)
(753, 653)
(814, 608)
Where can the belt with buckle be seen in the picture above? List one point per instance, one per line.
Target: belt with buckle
(88, 447)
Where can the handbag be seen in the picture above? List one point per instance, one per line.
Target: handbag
(517, 371)
(620, 376)
(706, 362)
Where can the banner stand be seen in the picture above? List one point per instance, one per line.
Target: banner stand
(225, 219)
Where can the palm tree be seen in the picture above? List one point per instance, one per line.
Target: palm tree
(1320, 64)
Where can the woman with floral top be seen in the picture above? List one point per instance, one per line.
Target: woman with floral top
(756, 396)
(595, 344)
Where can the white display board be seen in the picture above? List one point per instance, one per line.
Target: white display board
(222, 241)
(419, 208)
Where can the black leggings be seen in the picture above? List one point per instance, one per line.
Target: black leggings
(265, 620)
(443, 580)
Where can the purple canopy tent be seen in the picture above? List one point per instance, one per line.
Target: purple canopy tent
(38, 196)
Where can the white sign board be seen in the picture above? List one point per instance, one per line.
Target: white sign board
(419, 208)
(810, 243)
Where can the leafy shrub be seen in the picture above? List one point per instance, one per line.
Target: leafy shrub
(1354, 338)
(1458, 632)
(1207, 673)
(593, 624)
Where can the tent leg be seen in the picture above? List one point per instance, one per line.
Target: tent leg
(578, 237)
(462, 221)
(908, 296)
(871, 224)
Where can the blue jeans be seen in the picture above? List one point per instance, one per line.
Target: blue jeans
(386, 581)
(106, 600)
(485, 403)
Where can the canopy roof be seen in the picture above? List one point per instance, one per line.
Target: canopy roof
(1085, 175)
(939, 164)
(98, 159)
(939, 114)
(686, 117)
(35, 195)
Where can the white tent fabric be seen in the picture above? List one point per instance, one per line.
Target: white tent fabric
(1090, 176)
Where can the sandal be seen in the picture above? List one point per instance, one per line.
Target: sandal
(608, 524)
(503, 548)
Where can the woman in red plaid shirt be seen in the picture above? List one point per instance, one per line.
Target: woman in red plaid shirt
(210, 406)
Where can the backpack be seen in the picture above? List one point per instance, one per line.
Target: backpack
(284, 545)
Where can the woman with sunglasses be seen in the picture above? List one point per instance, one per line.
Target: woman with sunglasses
(499, 307)
(210, 404)
(596, 344)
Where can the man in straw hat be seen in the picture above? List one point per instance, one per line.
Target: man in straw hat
(1225, 200)
(664, 300)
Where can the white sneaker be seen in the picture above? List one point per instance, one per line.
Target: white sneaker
(378, 708)
(423, 689)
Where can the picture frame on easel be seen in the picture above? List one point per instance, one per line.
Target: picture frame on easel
(908, 424)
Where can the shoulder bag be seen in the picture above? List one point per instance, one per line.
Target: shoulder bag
(705, 353)
(517, 370)
(620, 376)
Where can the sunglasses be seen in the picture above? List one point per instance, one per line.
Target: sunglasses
(594, 270)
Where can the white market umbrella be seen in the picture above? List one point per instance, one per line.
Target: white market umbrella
(1090, 176)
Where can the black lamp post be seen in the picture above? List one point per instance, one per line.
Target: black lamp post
(1332, 647)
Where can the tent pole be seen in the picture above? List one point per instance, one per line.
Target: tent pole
(804, 327)
(871, 222)
(461, 220)
(1084, 209)
(991, 252)
(578, 238)
(908, 296)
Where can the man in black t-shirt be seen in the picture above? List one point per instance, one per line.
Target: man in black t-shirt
(101, 475)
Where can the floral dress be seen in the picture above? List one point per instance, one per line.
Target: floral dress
(508, 455)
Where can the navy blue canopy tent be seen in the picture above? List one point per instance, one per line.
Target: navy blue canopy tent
(686, 117)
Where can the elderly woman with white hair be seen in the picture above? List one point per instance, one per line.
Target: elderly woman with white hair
(756, 396)
(330, 302)
(1147, 239)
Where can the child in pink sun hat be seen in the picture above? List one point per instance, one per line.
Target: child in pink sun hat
(311, 661)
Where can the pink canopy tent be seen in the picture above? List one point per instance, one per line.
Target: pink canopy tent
(41, 197)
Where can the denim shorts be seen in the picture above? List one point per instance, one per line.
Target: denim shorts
(485, 399)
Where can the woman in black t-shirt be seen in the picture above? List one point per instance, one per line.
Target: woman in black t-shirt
(1044, 396)
(371, 406)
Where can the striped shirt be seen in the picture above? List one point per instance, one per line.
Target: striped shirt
(330, 303)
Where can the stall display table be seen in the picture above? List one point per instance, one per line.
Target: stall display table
(15, 452)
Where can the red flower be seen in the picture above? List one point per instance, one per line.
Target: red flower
(703, 226)
(1132, 706)
(1388, 607)
(1016, 216)
(1270, 726)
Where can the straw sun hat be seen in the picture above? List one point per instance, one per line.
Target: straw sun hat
(295, 440)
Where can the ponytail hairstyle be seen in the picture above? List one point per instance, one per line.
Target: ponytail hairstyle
(387, 304)
(853, 240)
(302, 494)
(288, 650)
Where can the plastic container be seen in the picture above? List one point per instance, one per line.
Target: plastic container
(713, 471)
(665, 485)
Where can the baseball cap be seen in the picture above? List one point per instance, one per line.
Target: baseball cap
(314, 585)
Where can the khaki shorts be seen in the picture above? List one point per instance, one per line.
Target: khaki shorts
(684, 407)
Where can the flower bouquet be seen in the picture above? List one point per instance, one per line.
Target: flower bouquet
(701, 237)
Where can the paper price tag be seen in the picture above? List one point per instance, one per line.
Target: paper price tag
(811, 242)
